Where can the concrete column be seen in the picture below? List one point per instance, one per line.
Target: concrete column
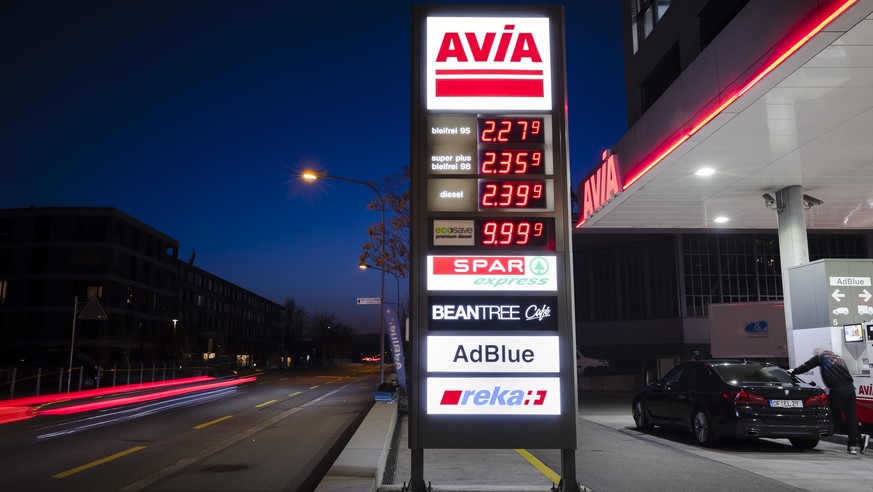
(793, 248)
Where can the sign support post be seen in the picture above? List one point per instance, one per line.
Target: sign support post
(493, 336)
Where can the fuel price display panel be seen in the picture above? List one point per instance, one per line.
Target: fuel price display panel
(494, 233)
(489, 145)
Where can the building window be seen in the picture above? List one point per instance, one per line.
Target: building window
(746, 268)
(93, 291)
(645, 14)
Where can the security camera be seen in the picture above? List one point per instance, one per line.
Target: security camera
(769, 201)
(811, 201)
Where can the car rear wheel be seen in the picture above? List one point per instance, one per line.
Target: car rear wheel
(702, 428)
(641, 418)
(803, 443)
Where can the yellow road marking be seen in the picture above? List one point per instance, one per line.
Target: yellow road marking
(295, 393)
(212, 422)
(539, 465)
(266, 403)
(98, 462)
(316, 386)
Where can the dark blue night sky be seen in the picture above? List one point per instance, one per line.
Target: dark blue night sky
(196, 116)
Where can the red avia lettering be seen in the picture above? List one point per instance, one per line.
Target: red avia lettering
(865, 389)
(601, 187)
(485, 50)
(500, 265)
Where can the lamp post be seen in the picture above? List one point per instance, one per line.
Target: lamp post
(312, 176)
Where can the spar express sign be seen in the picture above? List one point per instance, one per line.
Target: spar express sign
(492, 273)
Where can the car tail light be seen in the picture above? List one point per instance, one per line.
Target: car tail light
(744, 398)
(817, 401)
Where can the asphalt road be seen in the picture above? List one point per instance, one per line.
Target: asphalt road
(281, 432)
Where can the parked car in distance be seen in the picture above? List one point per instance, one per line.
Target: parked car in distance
(734, 398)
(587, 366)
(52, 365)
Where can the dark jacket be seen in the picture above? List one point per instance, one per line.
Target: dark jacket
(834, 372)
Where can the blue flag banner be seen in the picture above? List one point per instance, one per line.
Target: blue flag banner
(395, 340)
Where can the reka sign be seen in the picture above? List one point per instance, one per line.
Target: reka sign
(488, 63)
(494, 396)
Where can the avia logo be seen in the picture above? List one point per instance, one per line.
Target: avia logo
(601, 186)
(865, 389)
(494, 397)
(485, 50)
(473, 60)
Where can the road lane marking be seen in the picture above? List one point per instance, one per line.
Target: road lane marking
(266, 403)
(212, 422)
(539, 465)
(220, 446)
(313, 387)
(92, 464)
(296, 393)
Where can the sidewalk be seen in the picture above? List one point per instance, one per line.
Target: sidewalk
(360, 466)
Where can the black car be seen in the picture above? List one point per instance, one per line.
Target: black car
(735, 398)
(52, 368)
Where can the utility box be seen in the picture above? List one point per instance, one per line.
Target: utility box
(748, 330)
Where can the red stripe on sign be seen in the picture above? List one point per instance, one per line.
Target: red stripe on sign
(466, 71)
(451, 397)
(489, 88)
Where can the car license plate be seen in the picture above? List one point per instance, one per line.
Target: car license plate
(786, 403)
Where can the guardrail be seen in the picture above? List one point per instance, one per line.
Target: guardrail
(24, 381)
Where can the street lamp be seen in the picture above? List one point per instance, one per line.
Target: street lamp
(312, 176)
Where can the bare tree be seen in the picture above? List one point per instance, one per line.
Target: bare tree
(395, 259)
(334, 338)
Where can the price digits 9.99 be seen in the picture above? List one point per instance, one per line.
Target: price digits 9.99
(513, 232)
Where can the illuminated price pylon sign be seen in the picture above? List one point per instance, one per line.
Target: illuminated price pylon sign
(493, 339)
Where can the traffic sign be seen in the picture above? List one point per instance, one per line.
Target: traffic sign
(369, 300)
(93, 310)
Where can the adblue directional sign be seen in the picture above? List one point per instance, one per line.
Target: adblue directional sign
(492, 277)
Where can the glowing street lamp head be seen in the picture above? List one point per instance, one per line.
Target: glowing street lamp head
(311, 175)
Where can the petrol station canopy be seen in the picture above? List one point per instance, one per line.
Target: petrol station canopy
(796, 111)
